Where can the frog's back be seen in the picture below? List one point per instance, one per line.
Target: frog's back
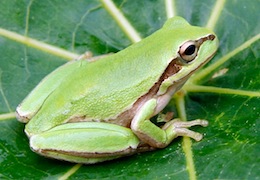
(101, 89)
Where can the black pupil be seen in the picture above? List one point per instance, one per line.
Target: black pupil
(190, 50)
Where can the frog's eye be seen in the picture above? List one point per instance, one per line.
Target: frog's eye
(188, 51)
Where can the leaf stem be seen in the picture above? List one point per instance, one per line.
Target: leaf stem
(121, 20)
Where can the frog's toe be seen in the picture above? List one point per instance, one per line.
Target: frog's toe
(180, 128)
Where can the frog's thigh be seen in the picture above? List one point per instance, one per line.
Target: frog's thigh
(33, 102)
(85, 142)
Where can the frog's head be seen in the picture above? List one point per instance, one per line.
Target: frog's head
(188, 49)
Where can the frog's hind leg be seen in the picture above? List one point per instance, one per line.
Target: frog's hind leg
(85, 142)
(34, 101)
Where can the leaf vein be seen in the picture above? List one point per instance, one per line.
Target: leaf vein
(170, 8)
(57, 51)
(121, 20)
(79, 24)
(215, 13)
(7, 116)
(2, 92)
(186, 145)
(210, 89)
(70, 172)
(27, 17)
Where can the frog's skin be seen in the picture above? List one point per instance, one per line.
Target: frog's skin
(92, 111)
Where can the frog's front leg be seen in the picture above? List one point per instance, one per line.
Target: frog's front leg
(160, 137)
(86, 142)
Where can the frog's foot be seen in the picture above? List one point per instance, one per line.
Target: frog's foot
(158, 137)
(180, 128)
(88, 56)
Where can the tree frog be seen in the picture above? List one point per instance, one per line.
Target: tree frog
(89, 111)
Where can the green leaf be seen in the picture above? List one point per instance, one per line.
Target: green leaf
(225, 92)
